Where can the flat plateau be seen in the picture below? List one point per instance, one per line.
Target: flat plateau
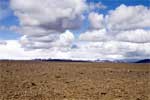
(37, 80)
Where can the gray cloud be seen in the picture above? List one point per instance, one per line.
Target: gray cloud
(45, 26)
(125, 23)
(51, 14)
(99, 5)
(117, 35)
(111, 50)
(63, 40)
(2, 42)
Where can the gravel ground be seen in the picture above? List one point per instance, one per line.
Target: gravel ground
(34, 80)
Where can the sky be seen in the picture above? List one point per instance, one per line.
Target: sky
(75, 29)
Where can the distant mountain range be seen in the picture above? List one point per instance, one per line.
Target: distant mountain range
(143, 61)
(98, 60)
(62, 60)
(112, 61)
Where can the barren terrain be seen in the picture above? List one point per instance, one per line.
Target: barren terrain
(35, 80)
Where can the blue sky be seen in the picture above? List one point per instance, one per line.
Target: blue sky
(107, 22)
(8, 19)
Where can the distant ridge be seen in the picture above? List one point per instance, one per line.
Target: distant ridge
(143, 61)
(71, 60)
(62, 60)
(98, 60)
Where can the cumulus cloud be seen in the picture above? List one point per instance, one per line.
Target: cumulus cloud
(125, 23)
(94, 35)
(63, 41)
(13, 50)
(84, 51)
(49, 14)
(124, 34)
(96, 20)
(113, 50)
(46, 31)
(137, 36)
(102, 35)
(3, 42)
(128, 17)
(99, 5)
(44, 25)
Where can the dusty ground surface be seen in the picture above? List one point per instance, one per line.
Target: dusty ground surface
(31, 80)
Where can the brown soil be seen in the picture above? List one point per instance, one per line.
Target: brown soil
(33, 80)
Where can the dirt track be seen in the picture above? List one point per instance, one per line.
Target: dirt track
(30, 80)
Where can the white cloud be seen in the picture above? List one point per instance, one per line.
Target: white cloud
(43, 25)
(66, 39)
(137, 36)
(102, 35)
(128, 17)
(96, 20)
(120, 39)
(2, 42)
(13, 50)
(83, 51)
(125, 23)
(99, 5)
(45, 30)
(63, 41)
(111, 50)
(50, 14)
(95, 35)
